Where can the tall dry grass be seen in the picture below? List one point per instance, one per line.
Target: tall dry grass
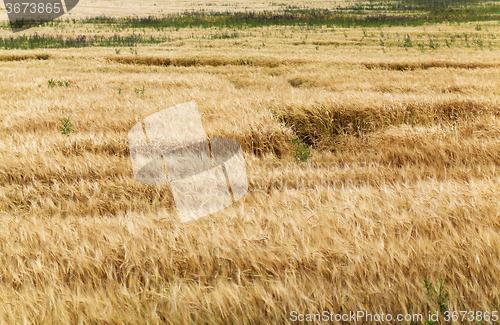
(403, 183)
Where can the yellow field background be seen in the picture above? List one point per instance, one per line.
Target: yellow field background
(407, 189)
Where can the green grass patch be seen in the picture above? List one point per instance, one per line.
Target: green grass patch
(26, 42)
(310, 17)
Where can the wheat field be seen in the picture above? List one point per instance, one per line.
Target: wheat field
(401, 187)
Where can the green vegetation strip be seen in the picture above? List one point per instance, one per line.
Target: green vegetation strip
(311, 17)
(59, 41)
(387, 13)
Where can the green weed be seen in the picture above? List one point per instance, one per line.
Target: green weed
(302, 151)
(66, 127)
(437, 295)
(408, 42)
(52, 83)
(140, 91)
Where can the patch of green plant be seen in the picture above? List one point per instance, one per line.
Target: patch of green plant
(28, 42)
(372, 13)
(140, 91)
(438, 296)
(66, 127)
(302, 151)
(403, 13)
(408, 42)
(433, 44)
(224, 35)
(52, 83)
